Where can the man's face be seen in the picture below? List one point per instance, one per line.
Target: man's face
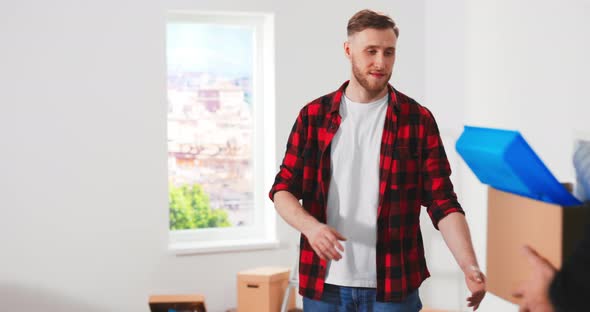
(372, 54)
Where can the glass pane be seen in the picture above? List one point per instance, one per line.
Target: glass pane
(210, 126)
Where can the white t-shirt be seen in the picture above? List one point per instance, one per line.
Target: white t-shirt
(353, 195)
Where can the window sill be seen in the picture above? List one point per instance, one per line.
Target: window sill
(190, 248)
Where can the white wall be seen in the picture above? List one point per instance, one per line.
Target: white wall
(82, 134)
(527, 70)
(509, 64)
(444, 96)
(83, 165)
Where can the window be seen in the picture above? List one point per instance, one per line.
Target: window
(220, 75)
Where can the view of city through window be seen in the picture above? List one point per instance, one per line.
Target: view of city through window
(210, 125)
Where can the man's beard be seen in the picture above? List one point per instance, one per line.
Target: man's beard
(371, 87)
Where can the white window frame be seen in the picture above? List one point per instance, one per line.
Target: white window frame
(262, 234)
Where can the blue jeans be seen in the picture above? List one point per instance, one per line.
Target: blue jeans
(357, 299)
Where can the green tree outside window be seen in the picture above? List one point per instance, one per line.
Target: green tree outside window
(190, 209)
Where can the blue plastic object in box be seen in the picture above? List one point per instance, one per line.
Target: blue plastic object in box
(504, 160)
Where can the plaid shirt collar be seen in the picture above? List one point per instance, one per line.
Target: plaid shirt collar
(337, 98)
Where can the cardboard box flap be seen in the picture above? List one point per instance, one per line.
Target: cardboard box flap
(265, 274)
(176, 298)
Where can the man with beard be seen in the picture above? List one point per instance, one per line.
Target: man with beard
(363, 160)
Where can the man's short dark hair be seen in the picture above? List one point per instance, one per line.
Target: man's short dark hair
(370, 19)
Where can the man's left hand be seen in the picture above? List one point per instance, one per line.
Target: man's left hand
(476, 283)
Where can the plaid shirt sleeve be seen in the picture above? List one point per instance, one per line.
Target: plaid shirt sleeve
(290, 175)
(438, 195)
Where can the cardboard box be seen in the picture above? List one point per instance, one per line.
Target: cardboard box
(262, 290)
(514, 221)
(163, 303)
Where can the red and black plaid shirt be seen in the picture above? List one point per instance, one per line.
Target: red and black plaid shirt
(414, 172)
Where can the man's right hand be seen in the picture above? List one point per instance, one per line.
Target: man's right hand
(325, 241)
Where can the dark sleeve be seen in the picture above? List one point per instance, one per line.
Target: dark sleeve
(438, 195)
(570, 288)
(290, 174)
